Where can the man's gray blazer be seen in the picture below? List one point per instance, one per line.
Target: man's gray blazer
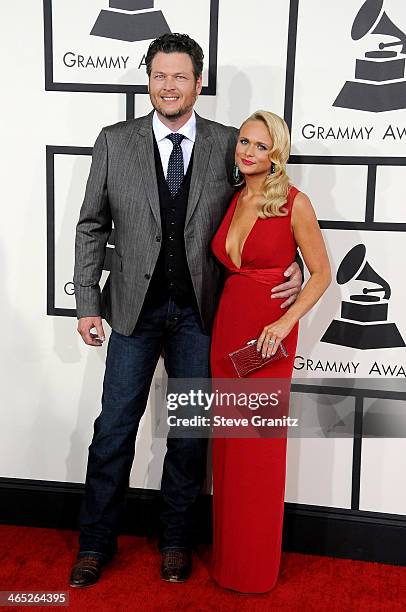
(122, 189)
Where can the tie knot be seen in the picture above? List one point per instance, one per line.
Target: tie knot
(176, 138)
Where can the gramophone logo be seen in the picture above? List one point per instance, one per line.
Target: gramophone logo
(380, 83)
(364, 318)
(138, 22)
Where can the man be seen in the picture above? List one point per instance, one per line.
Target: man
(164, 180)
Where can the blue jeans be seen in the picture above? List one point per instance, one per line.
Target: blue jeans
(130, 365)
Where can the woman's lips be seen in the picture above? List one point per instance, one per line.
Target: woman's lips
(247, 162)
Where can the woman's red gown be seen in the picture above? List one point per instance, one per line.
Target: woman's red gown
(249, 473)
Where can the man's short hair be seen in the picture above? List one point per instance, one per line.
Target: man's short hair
(176, 43)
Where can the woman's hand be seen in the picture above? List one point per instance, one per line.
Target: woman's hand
(272, 335)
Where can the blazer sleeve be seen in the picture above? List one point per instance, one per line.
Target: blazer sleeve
(230, 152)
(92, 232)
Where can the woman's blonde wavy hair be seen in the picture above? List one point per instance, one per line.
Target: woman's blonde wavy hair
(276, 185)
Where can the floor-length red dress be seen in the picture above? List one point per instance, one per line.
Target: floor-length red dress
(249, 473)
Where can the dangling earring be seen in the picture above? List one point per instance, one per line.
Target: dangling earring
(238, 178)
(272, 171)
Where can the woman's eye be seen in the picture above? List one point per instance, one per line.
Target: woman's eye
(262, 147)
(243, 141)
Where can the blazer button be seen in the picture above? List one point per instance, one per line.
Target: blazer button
(158, 238)
(147, 276)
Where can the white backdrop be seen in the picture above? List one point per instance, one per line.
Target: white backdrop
(50, 381)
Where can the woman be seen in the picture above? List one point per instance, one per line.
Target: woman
(266, 221)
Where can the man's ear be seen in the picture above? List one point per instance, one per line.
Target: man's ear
(199, 84)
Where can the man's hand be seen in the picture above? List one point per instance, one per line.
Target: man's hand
(291, 288)
(85, 324)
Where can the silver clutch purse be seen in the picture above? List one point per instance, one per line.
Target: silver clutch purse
(247, 359)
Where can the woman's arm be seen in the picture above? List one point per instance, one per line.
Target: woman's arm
(310, 241)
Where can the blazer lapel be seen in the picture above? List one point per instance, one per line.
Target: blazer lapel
(146, 165)
(202, 149)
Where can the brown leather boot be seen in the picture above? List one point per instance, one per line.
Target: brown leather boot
(176, 565)
(86, 570)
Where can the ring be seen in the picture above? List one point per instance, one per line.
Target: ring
(272, 342)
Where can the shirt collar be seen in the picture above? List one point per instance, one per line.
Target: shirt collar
(161, 131)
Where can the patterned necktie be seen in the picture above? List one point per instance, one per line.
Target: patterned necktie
(174, 177)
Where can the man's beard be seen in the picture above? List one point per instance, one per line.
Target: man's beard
(174, 115)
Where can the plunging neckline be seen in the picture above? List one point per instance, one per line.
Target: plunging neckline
(245, 239)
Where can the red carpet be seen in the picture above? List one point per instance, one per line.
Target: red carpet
(40, 559)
